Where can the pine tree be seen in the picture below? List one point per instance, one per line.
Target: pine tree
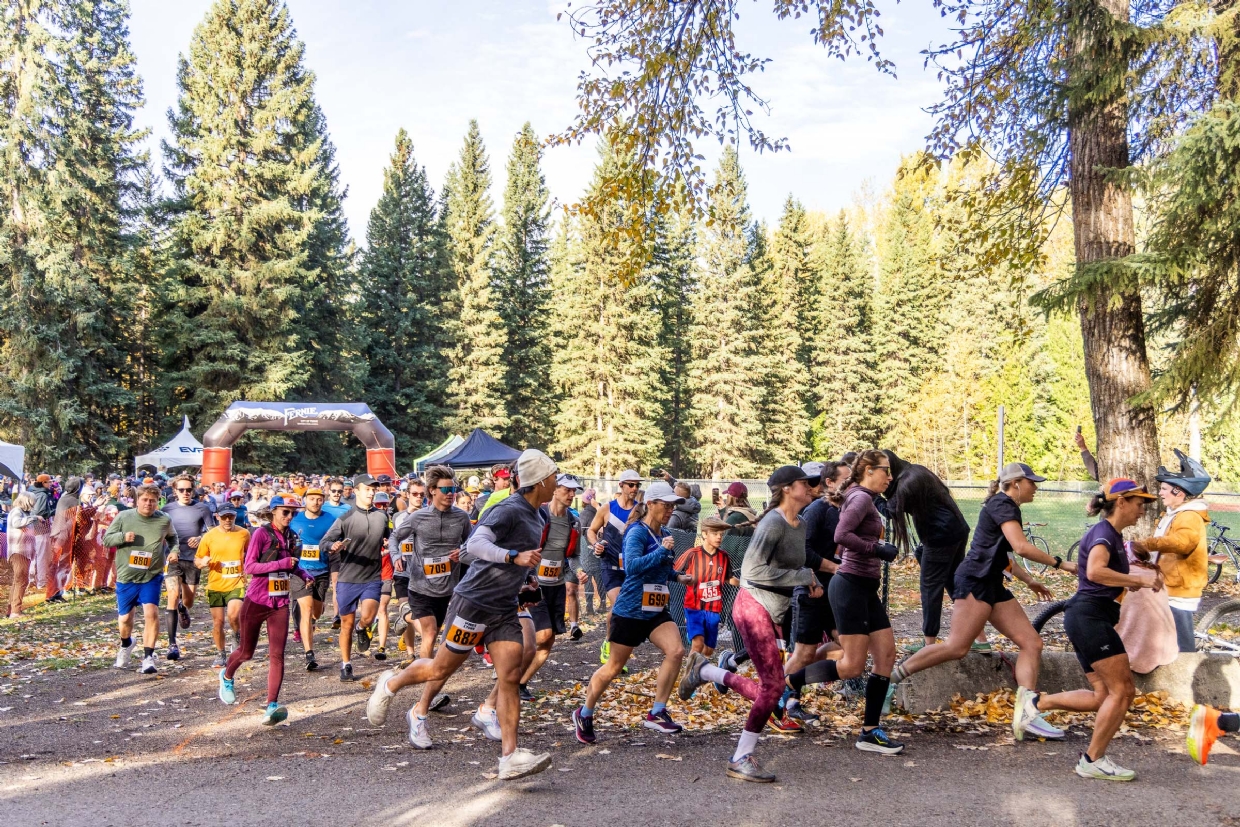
(405, 281)
(727, 373)
(478, 372)
(522, 295)
(788, 407)
(255, 228)
(675, 282)
(68, 159)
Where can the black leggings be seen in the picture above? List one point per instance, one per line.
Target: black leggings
(938, 573)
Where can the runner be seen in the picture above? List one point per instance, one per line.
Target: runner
(709, 569)
(414, 499)
(143, 537)
(559, 543)
(502, 475)
(358, 540)
(308, 597)
(272, 556)
(335, 507)
(191, 520)
(222, 553)
(501, 552)
(1206, 726)
(606, 538)
(237, 500)
(1090, 619)
(774, 565)
(981, 597)
(387, 575)
(640, 611)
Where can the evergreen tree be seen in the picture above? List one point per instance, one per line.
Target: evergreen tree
(478, 372)
(675, 282)
(256, 224)
(789, 407)
(405, 282)
(522, 295)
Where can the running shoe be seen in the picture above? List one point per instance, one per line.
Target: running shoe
(521, 762)
(174, 652)
(1038, 727)
(183, 616)
(336, 622)
(402, 623)
(1103, 769)
(604, 651)
(439, 702)
(910, 648)
(220, 661)
(661, 721)
(346, 672)
(980, 646)
(58, 597)
(692, 678)
(486, 658)
(1203, 731)
(418, 736)
(889, 697)
(148, 666)
(747, 769)
(274, 714)
(524, 693)
(380, 699)
(123, 654)
(363, 635)
(297, 635)
(312, 663)
(584, 726)
(876, 740)
(575, 633)
(488, 723)
(797, 712)
(228, 695)
(381, 654)
(784, 724)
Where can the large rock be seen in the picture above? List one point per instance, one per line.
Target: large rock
(1192, 678)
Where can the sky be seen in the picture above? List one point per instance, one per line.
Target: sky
(430, 67)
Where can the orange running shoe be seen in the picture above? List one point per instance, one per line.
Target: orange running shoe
(784, 724)
(1203, 731)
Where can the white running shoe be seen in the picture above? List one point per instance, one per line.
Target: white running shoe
(418, 736)
(521, 763)
(1020, 713)
(148, 666)
(122, 656)
(1103, 769)
(488, 724)
(1038, 727)
(380, 699)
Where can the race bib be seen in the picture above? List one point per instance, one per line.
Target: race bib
(654, 597)
(140, 559)
(620, 559)
(277, 585)
(549, 572)
(709, 592)
(436, 568)
(310, 554)
(406, 547)
(463, 635)
(230, 568)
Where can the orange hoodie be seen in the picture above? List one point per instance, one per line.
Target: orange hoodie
(1180, 541)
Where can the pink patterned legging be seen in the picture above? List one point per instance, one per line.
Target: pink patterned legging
(758, 632)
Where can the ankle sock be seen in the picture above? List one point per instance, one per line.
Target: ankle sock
(713, 673)
(126, 642)
(658, 707)
(586, 712)
(1229, 722)
(875, 696)
(148, 651)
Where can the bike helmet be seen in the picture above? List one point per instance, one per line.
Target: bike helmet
(1192, 478)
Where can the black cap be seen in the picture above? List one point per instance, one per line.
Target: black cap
(383, 479)
(788, 474)
(226, 511)
(365, 479)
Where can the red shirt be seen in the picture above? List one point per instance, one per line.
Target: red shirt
(710, 572)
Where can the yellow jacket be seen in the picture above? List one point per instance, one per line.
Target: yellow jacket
(1181, 545)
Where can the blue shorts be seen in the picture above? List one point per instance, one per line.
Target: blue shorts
(612, 578)
(702, 624)
(129, 595)
(350, 595)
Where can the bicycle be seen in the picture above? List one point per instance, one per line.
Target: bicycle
(1037, 542)
(1230, 551)
(1223, 618)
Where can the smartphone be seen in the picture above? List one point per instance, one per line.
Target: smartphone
(1078, 429)
(714, 496)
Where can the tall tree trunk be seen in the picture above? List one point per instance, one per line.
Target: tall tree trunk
(1112, 325)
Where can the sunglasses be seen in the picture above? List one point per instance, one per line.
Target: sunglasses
(630, 485)
(886, 469)
(450, 489)
(289, 511)
(185, 491)
(337, 491)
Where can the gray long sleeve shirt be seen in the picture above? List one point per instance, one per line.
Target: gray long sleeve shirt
(423, 540)
(361, 561)
(775, 558)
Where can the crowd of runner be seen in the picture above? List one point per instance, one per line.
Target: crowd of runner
(493, 568)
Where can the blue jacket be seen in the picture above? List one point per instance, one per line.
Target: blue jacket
(646, 562)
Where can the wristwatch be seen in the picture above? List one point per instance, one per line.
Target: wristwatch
(1058, 561)
(511, 557)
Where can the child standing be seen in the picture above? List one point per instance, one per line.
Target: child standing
(710, 568)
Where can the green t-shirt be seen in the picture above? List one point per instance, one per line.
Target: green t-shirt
(142, 560)
(496, 498)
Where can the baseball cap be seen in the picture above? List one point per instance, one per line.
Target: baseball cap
(788, 474)
(813, 469)
(226, 511)
(236, 495)
(502, 474)
(384, 479)
(736, 489)
(43, 478)
(1018, 471)
(629, 475)
(382, 497)
(314, 490)
(1124, 487)
(284, 501)
(567, 481)
(533, 466)
(363, 479)
(662, 492)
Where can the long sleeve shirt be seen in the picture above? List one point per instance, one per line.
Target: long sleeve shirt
(269, 581)
(775, 559)
(648, 567)
(858, 532)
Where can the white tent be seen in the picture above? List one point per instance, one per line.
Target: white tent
(179, 451)
(12, 460)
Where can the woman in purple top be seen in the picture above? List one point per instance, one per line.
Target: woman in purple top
(270, 559)
(859, 613)
(1103, 576)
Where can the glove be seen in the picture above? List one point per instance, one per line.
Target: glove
(887, 552)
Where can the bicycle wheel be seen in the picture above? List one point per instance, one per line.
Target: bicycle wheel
(1041, 545)
(1222, 610)
(1043, 617)
(1072, 550)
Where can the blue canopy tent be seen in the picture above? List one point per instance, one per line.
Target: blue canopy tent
(479, 450)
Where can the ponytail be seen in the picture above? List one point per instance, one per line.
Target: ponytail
(777, 497)
(1099, 504)
(637, 514)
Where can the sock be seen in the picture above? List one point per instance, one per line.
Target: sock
(713, 673)
(658, 707)
(1229, 722)
(522, 686)
(173, 620)
(745, 745)
(344, 664)
(148, 651)
(899, 673)
(824, 671)
(572, 626)
(483, 709)
(875, 695)
(586, 712)
(126, 642)
(222, 653)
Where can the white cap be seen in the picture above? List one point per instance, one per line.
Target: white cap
(473, 482)
(659, 490)
(567, 481)
(629, 475)
(533, 466)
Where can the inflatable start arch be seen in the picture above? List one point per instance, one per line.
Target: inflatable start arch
(296, 416)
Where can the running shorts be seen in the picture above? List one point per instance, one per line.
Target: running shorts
(549, 613)
(316, 588)
(812, 618)
(1090, 624)
(350, 595)
(424, 605)
(185, 570)
(612, 578)
(856, 605)
(386, 588)
(702, 624)
(129, 595)
(469, 624)
(987, 591)
(220, 600)
(400, 588)
(628, 631)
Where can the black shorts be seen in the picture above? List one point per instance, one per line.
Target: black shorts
(856, 605)
(629, 632)
(400, 588)
(423, 605)
(987, 591)
(386, 588)
(316, 588)
(1090, 624)
(185, 570)
(611, 578)
(469, 624)
(549, 613)
(811, 617)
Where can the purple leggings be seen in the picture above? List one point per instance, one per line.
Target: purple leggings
(253, 615)
(758, 632)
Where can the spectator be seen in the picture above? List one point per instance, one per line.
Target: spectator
(736, 510)
(21, 537)
(685, 516)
